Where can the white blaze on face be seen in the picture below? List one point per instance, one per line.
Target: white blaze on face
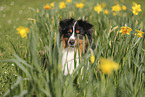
(73, 34)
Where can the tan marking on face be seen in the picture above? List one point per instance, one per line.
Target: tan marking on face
(64, 41)
(81, 45)
(70, 31)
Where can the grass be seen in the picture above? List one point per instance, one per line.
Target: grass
(27, 77)
(13, 14)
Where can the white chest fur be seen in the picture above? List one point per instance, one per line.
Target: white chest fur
(68, 62)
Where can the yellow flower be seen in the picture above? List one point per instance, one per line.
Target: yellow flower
(37, 10)
(98, 8)
(92, 58)
(114, 13)
(139, 33)
(108, 65)
(80, 5)
(136, 9)
(134, 3)
(52, 4)
(125, 30)
(124, 7)
(31, 19)
(34, 21)
(62, 5)
(23, 31)
(116, 8)
(106, 12)
(47, 6)
(68, 1)
(103, 5)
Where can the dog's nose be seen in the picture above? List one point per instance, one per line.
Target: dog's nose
(72, 42)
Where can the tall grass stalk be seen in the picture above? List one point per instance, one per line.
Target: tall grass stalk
(44, 43)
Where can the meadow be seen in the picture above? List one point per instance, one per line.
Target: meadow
(29, 32)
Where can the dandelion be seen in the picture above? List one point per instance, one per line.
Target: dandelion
(47, 7)
(116, 8)
(139, 33)
(62, 5)
(98, 8)
(124, 7)
(108, 65)
(52, 4)
(136, 9)
(68, 1)
(92, 58)
(23, 31)
(106, 12)
(125, 30)
(80, 5)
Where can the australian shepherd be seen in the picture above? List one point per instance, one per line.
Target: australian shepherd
(75, 35)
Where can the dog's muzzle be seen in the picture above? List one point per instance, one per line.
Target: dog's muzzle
(71, 43)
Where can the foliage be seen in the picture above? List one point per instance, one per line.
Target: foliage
(43, 41)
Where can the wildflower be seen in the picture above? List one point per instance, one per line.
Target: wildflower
(92, 58)
(80, 5)
(106, 12)
(98, 8)
(103, 5)
(23, 31)
(114, 13)
(116, 8)
(62, 5)
(34, 21)
(139, 33)
(108, 65)
(125, 30)
(134, 3)
(68, 1)
(37, 11)
(124, 7)
(47, 6)
(52, 4)
(136, 9)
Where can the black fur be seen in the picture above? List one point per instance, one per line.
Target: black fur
(84, 27)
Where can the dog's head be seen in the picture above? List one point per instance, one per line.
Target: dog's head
(72, 33)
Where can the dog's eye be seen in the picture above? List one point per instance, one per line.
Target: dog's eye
(77, 31)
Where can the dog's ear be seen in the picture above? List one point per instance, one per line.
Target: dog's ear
(65, 23)
(86, 26)
(88, 31)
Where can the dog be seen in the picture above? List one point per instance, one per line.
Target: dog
(75, 36)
